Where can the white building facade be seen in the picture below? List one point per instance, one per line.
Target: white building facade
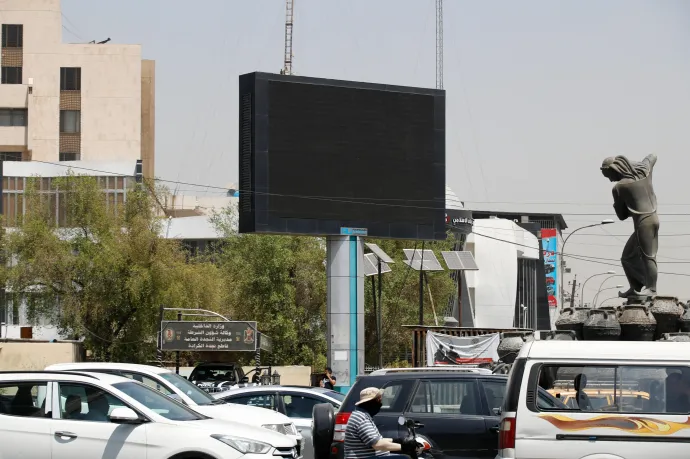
(70, 102)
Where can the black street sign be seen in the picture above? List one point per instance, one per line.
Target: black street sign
(209, 336)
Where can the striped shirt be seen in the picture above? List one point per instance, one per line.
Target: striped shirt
(361, 434)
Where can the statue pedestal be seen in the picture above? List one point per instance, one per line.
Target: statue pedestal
(638, 299)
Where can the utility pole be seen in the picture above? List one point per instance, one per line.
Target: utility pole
(421, 288)
(572, 295)
(289, 16)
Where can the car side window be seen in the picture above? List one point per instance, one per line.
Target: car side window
(299, 406)
(152, 383)
(26, 399)
(447, 396)
(495, 392)
(395, 396)
(267, 401)
(82, 402)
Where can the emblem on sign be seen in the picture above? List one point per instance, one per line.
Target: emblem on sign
(249, 335)
(169, 334)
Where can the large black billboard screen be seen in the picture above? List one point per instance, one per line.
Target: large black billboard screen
(319, 155)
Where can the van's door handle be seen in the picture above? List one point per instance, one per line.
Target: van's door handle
(494, 429)
(63, 434)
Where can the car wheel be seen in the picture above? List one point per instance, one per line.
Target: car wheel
(323, 420)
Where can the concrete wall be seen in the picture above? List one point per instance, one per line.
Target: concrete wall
(28, 355)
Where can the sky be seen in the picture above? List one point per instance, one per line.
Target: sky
(538, 93)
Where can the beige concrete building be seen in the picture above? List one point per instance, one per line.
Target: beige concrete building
(71, 102)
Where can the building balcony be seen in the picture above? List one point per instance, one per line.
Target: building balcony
(14, 95)
(12, 136)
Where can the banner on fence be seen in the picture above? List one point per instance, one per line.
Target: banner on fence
(461, 350)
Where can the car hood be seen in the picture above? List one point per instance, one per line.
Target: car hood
(237, 429)
(241, 413)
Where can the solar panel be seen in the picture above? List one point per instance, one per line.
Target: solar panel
(371, 265)
(416, 265)
(460, 261)
(431, 263)
(383, 256)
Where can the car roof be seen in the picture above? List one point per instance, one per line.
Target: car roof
(428, 375)
(82, 376)
(303, 389)
(216, 364)
(606, 350)
(109, 366)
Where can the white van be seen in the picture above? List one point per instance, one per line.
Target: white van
(616, 400)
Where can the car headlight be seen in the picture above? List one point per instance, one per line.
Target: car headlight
(285, 429)
(244, 445)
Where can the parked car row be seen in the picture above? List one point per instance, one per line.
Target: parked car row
(67, 414)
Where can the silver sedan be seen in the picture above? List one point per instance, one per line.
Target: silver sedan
(296, 402)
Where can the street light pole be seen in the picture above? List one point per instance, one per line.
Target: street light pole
(582, 292)
(607, 221)
(594, 301)
(609, 299)
(602, 284)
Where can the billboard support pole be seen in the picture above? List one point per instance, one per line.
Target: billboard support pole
(177, 353)
(345, 310)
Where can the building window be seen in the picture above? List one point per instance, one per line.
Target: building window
(70, 79)
(10, 155)
(12, 36)
(13, 117)
(70, 156)
(11, 75)
(70, 121)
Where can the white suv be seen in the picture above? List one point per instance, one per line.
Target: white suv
(63, 415)
(175, 386)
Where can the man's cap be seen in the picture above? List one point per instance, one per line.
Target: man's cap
(368, 394)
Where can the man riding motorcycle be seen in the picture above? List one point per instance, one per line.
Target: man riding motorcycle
(363, 439)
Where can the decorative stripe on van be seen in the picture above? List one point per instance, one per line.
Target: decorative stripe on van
(635, 425)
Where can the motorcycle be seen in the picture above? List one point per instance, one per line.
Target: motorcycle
(423, 450)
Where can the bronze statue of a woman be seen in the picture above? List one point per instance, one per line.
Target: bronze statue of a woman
(633, 196)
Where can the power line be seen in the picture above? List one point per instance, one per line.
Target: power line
(598, 260)
(343, 199)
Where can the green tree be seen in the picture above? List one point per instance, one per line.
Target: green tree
(400, 300)
(280, 282)
(105, 276)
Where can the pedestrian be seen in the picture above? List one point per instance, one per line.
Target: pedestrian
(328, 381)
(362, 437)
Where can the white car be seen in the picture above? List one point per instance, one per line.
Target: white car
(295, 402)
(175, 386)
(64, 415)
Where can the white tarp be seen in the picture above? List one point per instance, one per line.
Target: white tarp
(455, 350)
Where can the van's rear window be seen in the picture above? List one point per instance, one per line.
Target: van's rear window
(617, 388)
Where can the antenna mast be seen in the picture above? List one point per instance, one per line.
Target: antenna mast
(287, 62)
(439, 44)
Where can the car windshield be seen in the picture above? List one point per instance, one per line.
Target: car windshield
(335, 395)
(157, 402)
(214, 373)
(191, 390)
